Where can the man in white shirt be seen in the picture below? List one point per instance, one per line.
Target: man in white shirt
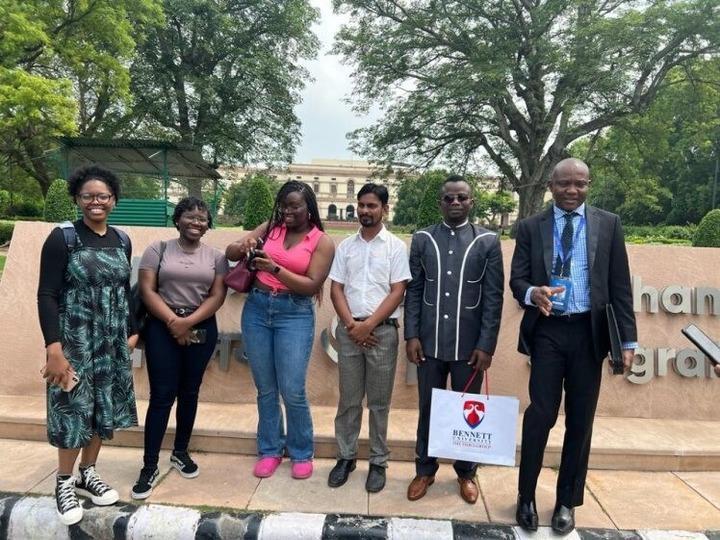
(369, 275)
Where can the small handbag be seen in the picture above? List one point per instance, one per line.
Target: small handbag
(240, 278)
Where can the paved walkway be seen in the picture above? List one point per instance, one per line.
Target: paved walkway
(616, 502)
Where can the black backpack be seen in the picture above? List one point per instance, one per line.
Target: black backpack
(138, 306)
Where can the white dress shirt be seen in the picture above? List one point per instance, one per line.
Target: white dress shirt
(367, 269)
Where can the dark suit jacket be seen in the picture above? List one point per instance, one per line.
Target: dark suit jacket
(607, 263)
(453, 303)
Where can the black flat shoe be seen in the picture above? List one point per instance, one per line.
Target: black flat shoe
(563, 519)
(526, 515)
(340, 472)
(376, 479)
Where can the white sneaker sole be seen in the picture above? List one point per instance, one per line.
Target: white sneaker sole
(178, 468)
(110, 497)
(71, 517)
(141, 496)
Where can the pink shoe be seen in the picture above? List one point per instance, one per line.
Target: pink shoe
(266, 467)
(302, 469)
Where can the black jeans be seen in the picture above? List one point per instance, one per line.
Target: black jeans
(174, 371)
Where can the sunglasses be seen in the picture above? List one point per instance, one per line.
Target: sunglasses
(462, 197)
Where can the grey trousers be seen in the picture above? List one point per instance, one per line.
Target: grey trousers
(363, 371)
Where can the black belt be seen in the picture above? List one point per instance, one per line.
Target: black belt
(571, 317)
(390, 321)
(183, 311)
(273, 292)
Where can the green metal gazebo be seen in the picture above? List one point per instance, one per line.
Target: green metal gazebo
(162, 160)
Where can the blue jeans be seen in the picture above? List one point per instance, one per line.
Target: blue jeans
(278, 331)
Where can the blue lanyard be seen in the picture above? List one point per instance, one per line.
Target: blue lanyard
(558, 244)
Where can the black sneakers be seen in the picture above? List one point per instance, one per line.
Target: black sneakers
(68, 505)
(184, 464)
(91, 485)
(144, 486)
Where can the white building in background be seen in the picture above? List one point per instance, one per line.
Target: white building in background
(334, 181)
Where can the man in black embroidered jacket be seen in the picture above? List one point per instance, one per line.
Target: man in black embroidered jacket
(452, 317)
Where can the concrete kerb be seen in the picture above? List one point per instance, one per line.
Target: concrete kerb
(29, 516)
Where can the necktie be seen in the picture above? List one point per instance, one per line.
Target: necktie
(563, 267)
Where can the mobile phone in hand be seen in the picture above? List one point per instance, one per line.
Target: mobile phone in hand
(198, 336)
(70, 383)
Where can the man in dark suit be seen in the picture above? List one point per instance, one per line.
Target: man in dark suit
(569, 263)
(452, 318)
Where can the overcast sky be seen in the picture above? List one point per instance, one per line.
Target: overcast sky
(325, 116)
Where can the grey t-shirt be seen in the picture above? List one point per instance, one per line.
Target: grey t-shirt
(184, 279)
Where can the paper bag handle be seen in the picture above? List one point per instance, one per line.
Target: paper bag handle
(472, 378)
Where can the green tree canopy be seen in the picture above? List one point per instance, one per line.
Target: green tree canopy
(659, 167)
(63, 71)
(226, 76)
(516, 82)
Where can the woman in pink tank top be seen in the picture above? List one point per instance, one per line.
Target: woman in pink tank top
(278, 323)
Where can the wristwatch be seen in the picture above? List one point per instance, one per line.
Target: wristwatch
(276, 270)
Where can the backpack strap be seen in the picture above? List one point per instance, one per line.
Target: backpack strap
(70, 235)
(124, 240)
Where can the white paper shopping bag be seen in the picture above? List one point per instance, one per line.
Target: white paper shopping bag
(473, 427)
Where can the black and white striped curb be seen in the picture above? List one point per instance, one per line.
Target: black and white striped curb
(32, 517)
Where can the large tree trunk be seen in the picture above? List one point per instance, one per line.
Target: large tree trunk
(531, 198)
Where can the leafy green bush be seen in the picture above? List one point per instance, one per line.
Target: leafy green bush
(708, 231)
(671, 232)
(258, 204)
(429, 211)
(58, 205)
(4, 202)
(6, 230)
(26, 208)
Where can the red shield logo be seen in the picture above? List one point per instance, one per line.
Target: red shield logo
(474, 412)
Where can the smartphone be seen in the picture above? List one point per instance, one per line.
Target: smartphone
(69, 385)
(254, 252)
(703, 342)
(198, 336)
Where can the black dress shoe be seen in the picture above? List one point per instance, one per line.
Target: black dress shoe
(526, 514)
(376, 479)
(340, 472)
(563, 519)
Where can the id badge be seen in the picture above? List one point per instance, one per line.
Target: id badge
(561, 300)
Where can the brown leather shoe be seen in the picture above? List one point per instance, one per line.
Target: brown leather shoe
(419, 486)
(468, 490)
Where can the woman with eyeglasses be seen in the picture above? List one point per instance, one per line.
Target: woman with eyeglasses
(83, 304)
(278, 323)
(181, 284)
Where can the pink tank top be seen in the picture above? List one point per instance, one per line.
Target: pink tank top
(296, 259)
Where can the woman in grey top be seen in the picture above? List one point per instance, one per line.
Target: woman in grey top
(181, 283)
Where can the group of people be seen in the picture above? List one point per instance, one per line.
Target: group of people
(569, 263)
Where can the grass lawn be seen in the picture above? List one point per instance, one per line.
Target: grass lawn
(2, 263)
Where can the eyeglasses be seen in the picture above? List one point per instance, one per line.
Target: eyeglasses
(462, 197)
(99, 197)
(196, 219)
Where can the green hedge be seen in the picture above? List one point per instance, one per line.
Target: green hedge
(58, 204)
(708, 231)
(6, 230)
